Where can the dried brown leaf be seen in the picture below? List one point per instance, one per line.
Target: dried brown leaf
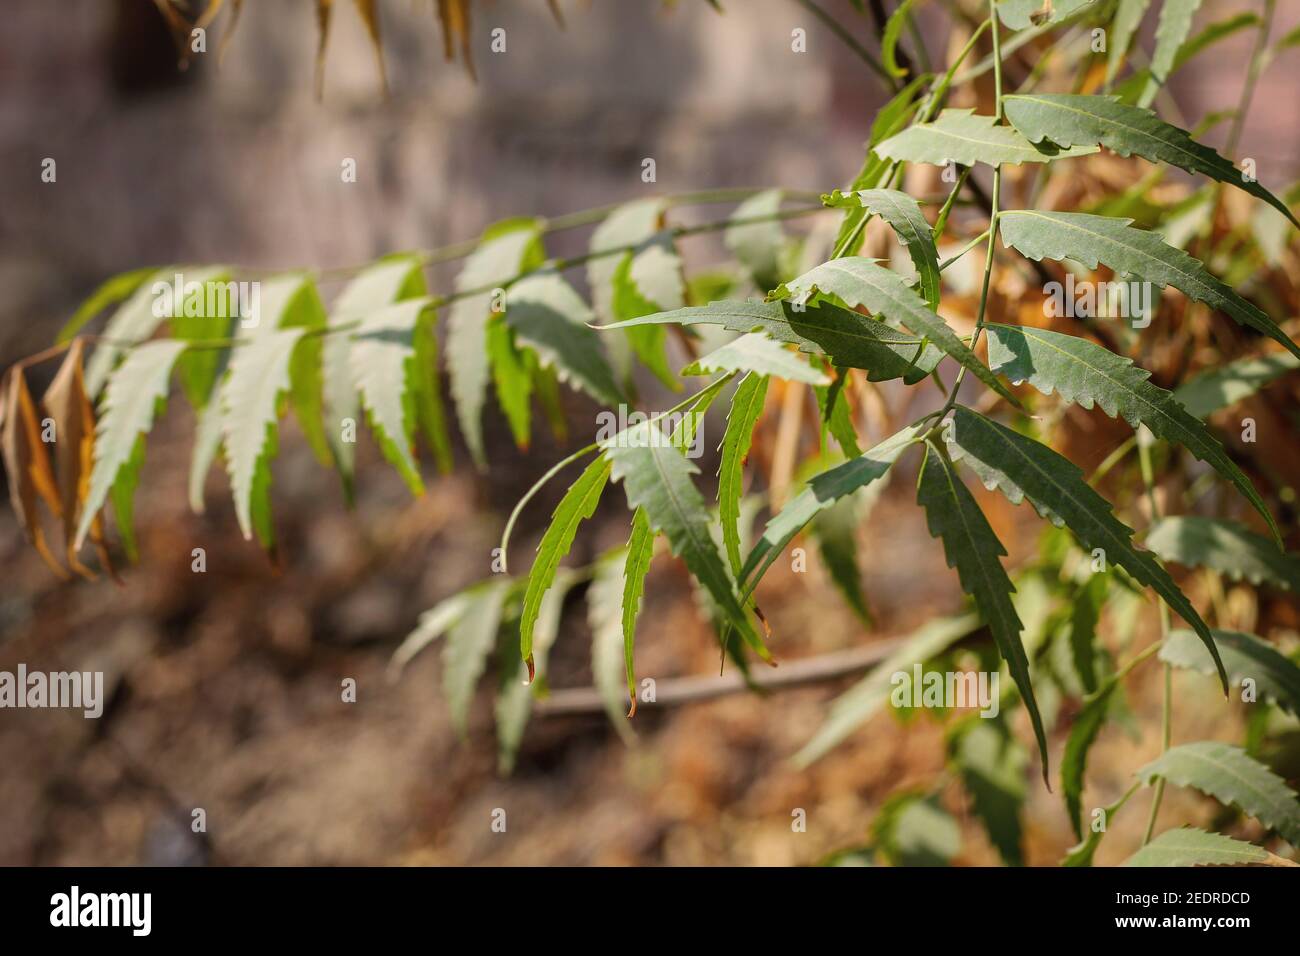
(28, 464)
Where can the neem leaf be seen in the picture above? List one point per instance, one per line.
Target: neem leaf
(746, 407)
(903, 214)
(1224, 547)
(755, 352)
(966, 138)
(1246, 657)
(1225, 385)
(1188, 846)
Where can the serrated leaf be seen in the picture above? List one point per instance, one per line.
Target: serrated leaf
(992, 766)
(432, 624)
(1130, 91)
(861, 282)
(912, 830)
(971, 547)
(109, 292)
(1074, 759)
(1174, 26)
(1022, 14)
(1231, 776)
(640, 552)
(134, 394)
(822, 491)
(1223, 386)
(755, 352)
(746, 407)
(577, 505)
(202, 315)
(68, 405)
(133, 321)
(1188, 846)
(889, 39)
(1224, 547)
(903, 214)
(250, 399)
(1128, 16)
(657, 477)
(381, 363)
(967, 138)
(468, 643)
(648, 281)
(1090, 240)
(1085, 612)
(1053, 482)
(27, 464)
(1087, 374)
(605, 618)
(547, 315)
(1073, 120)
(381, 284)
(513, 379)
(758, 244)
(851, 340)
(835, 530)
(1246, 656)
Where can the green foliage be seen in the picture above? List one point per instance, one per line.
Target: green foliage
(966, 138)
(1224, 547)
(1189, 846)
(1276, 677)
(903, 214)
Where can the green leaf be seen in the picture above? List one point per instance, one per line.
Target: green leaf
(250, 398)
(915, 831)
(860, 282)
(889, 39)
(903, 214)
(1188, 846)
(1087, 374)
(820, 328)
(1074, 760)
(836, 532)
(966, 138)
(1082, 853)
(746, 407)
(383, 367)
(577, 505)
(657, 477)
(650, 281)
(1231, 776)
(469, 641)
(1054, 482)
(822, 492)
(426, 388)
(547, 315)
(605, 618)
(1021, 14)
(134, 321)
(1128, 16)
(836, 417)
(1090, 240)
(1224, 547)
(1131, 90)
(640, 551)
(301, 308)
(432, 624)
(1175, 23)
(758, 244)
(109, 292)
(1074, 120)
(755, 352)
(1246, 656)
(992, 766)
(514, 380)
(507, 249)
(385, 282)
(972, 548)
(135, 394)
(864, 699)
(1227, 384)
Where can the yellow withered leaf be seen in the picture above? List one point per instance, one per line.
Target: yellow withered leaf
(455, 17)
(68, 406)
(369, 11)
(28, 464)
(323, 10)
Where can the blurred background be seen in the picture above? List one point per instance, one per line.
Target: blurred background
(224, 686)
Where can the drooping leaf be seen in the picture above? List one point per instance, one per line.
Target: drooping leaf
(1174, 26)
(548, 315)
(27, 464)
(889, 39)
(1085, 612)
(201, 315)
(861, 282)
(1128, 15)
(1231, 776)
(911, 830)
(1188, 846)
(1275, 676)
(657, 477)
(513, 379)
(577, 505)
(135, 392)
(605, 618)
(836, 417)
(755, 352)
(820, 328)
(1225, 385)
(68, 406)
(382, 365)
(822, 491)
(1074, 760)
(109, 292)
(835, 530)
(455, 18)
(1224, 547)
(640, 551)
(1088, 374)
(432, 624)
(1068, 119)
(369, 12)
(966, 138)
(1090, 240)
(746, 407)
(388, 281)
(1131, 90)
(972, 548)
(992, 764)
(467, 646)
(1054, 482)
(250, 399)
(758, 244)
(903, 214)
(133, 321)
